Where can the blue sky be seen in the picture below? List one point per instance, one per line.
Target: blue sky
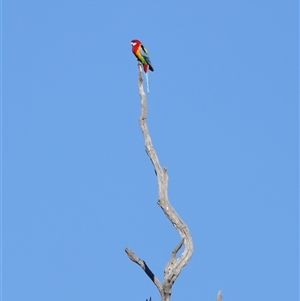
(223, 115)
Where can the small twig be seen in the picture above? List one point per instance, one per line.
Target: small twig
(173, 256)
(176, 249)
(144, 266)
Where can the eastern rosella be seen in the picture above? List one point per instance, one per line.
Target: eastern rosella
(141, 53)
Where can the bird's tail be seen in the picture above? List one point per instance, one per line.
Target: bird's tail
(147, 81)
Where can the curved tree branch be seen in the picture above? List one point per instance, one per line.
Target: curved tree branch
(175, 265)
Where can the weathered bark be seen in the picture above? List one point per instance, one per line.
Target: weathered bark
(219, 297)
(175, 265)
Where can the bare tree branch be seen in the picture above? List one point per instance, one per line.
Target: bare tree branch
(219, 297)
(144, 266)
(175, 265)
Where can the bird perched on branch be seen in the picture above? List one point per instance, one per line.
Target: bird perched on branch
(141, 53)
(149, 299)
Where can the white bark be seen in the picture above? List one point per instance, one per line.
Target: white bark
(174, 265)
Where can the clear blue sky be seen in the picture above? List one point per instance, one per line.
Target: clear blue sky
(223, 115)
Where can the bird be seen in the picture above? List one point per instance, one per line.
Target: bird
(141, 53)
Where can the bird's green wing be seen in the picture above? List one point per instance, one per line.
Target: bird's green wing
(145, 54)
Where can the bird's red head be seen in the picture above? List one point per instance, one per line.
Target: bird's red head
(135, 44)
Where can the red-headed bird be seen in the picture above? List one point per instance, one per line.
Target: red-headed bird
(141, 53)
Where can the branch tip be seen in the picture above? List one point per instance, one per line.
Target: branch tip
(177, 248)
(145, 267)
(220, 296)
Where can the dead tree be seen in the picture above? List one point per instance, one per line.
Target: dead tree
(174, 265)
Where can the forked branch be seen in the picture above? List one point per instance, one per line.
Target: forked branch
(175, 265)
